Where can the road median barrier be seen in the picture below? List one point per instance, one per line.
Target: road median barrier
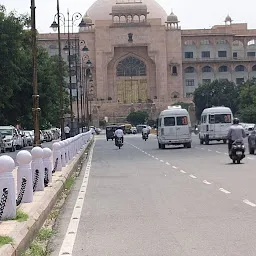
(41, 177)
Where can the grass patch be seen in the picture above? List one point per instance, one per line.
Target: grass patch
(38, 246)
(5, 240)
(44, 234)
(68, 183)
(21, 216)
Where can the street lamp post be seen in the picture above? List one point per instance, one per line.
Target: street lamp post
(35, 96)
(88, 78)
(56, 25)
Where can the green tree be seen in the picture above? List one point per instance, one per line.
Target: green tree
(184, 105)
(217, 93)
(138, 117)
(16, 76)
(247, 102)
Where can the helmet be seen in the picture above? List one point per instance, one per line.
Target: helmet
(235, 121)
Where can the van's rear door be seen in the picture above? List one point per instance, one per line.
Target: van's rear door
(168, 129)
(182, 127)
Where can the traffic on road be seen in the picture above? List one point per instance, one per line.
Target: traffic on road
(146, 199)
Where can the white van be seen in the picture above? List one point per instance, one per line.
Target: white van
(215, 123)
(174, 127)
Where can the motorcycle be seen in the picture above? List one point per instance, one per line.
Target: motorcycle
(119, 142)
(145, 136)
(237, 151)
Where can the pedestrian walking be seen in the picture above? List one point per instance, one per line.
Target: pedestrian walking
(67, 131)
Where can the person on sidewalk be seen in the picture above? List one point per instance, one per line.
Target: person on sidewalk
(67, 131)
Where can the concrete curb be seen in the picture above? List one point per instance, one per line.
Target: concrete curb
(23, 233)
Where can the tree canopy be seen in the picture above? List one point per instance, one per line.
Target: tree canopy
(137, 117)
(217, 93)
(16, 76)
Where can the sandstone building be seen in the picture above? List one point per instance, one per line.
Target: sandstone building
(142, 59)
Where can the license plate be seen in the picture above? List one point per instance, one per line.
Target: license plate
(239, 153)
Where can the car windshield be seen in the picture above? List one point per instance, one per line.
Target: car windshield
(6, 131)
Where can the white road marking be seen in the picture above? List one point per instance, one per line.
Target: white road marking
(182, 171)
(192, 176)
(218, 152)
(161, 161)
(209, 150)
(249, 203)
(157, 158)
(226, 154)
(152, 156)
(202, 148)
(167, 163)
(70, 236)
(174, 167)
(207, 182)
(250, 158)
(224, 191)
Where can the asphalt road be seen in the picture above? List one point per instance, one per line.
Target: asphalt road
(141, 200)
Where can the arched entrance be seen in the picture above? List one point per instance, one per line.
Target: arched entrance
(131, 80)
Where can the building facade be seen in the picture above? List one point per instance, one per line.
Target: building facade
(142, 59)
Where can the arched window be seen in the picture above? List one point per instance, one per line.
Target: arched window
(116, 19)
(136, 19)
(254, 68)
(174, 70)
(251, 42)
(206, 69)
(131, 66)
(190, 70)
(122, 19)
(240, 68)
(223, 69)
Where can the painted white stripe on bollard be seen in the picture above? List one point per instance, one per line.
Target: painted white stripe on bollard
(37, 164)
(24, 159)
(7, 181)
(62, 151)
(48, 163)
(57, 156)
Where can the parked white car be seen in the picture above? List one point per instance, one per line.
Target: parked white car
(11, 139)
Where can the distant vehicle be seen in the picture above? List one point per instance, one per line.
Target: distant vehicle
(134, 130)
(252, 141)
(237, 151)
(29, 137)
(248, 128)
(215, 123)
(2, 144)
(140, 127)
(174, 128)
(11, 137)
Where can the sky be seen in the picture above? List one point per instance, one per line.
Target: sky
(192, 14)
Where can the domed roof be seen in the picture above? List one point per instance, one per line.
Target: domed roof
(172, 18)
(101, 10)
(87, 19)
(228, 19)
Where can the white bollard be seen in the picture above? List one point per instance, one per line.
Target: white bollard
(37, 165)
(57, 157)
(48, 163)
(7, 182)
(62, 151)
(24, 159)
(66, 151)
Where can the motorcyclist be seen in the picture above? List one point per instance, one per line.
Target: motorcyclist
(119, 133)
(236, 132)
(144, 131)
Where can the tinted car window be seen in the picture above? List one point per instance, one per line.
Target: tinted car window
(182, 120)
(169, 121)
